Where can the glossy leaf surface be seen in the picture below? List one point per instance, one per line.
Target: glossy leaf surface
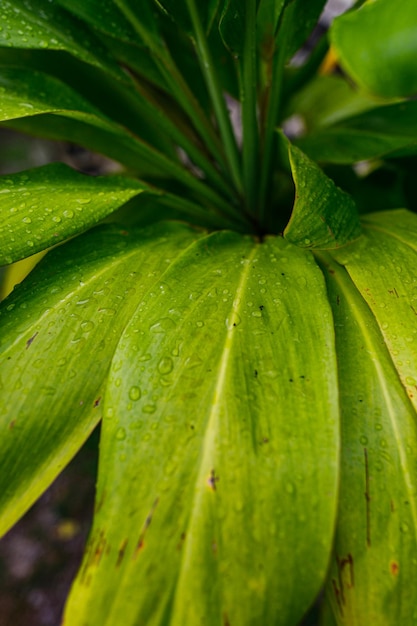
(62, 326)
(34, 24)
(377, 46)
(44, 206)
(373, 576)
(222, 401)
(323, 215)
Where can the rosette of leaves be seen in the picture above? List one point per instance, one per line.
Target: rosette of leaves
(244, 324)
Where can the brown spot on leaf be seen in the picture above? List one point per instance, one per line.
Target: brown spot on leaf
(121, 553)
(31, 340)
(213, 480)
(395, 568)
(147, 523)
(97, 402)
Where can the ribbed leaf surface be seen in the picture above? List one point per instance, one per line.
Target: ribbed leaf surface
(221, 405)
(58, 334)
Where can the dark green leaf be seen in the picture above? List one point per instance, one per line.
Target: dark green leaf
(323, 215)
(104, 16)
(377, 46)
(44, 25)
(232, 26)
(375, 133)
(299, 19)
(221, 405)
(44, 206)
(58, 334)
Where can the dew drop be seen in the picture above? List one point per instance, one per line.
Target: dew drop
(404, 527)
(149, 408)
(363, 440)
(87, 326)
(121, 434)
(134, 393)
(165, 365)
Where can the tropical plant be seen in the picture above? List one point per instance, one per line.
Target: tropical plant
(244, 324)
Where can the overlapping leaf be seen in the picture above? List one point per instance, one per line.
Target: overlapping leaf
(58, 335)
(26, 93)
(44, 206)
(221, 403)
(373, 576)
(323, 215)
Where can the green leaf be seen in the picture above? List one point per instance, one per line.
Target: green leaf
(373, 578)
(232, 26)
(38, 25)
(267, 20)
(379, 132)
(298, 21)
(382, 266)
(327, 100)
(59, 330)
(44, 206)
(104, 16)
(178, 11)
(221, 405)
(383, 63)
(323, 215)
(26, 93)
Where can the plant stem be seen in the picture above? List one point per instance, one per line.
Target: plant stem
(175, 129)
(211, 218)
(177, 85)
(272, 116)
(248, 96)
(215, 91)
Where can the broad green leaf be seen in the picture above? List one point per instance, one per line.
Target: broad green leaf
(383, 267)
(323, 215)
(44, 206)
(59, 330)
(221, 406)
(373, 576)
(379, 132)
(377, 46)
(37, 24)
(116, 100)
(26, 93)
(328, 100)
